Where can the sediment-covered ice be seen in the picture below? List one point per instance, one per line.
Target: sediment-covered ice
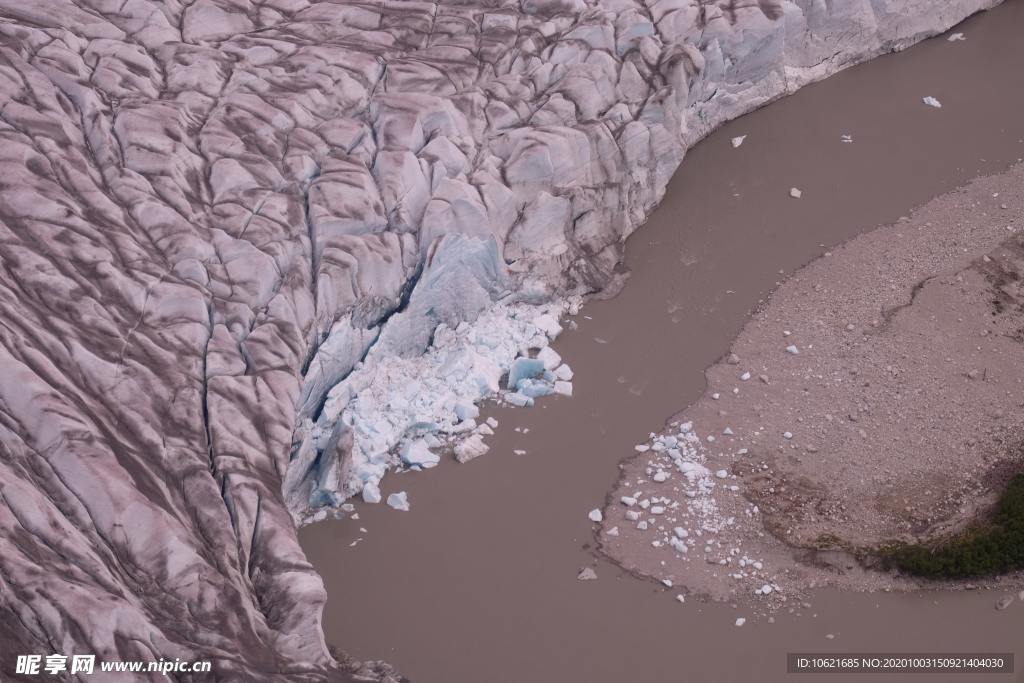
(233, 233)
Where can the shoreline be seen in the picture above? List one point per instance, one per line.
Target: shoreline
(806, 561)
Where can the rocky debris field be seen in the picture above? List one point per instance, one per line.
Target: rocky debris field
(875, 398)
(214, 212)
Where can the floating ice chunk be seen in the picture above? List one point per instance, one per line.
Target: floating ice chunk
(535, 388)
(563, 372)
(847, 138)
(417, 453)
(641, 448)
(667, 583)
(595, 515)
(549, 357)
(727, 431)
(548, 325)
(628, 501)
(738, 140)
(518, 399)
(932, 102)
(399, 501)
(563, 388)
(741, 621)
(745, 376)
(587, 574)
(371, 493)
(466, 410)
(955, 37)
(472, 446)
(492, 423)
(795, 193)
(716, 396)
(792, 349)
(524, 368)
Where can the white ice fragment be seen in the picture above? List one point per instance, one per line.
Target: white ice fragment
(741, 621)
(738, 140)
(680, 532)
(681, 598)
(595, 515)
(932, 102)
(563, 388)
(660, 476)
(471, 447)
(399, 501)
(641, 448)
(518, 399)
(632, 515)
(766, 589)
(628, 501)
(614, 531)
(795, 193)
(587, 574)
(745, 376)
(548, 325)
(563, 372)
(727, 431)
(667, 583)
(847, 138)
(371, 493)
(492, 423)
(416, 453)
(792, 349)
(955, 37)
(722, 474)
(716, 396)
(549, 357)
(787, 435)
(466, 410)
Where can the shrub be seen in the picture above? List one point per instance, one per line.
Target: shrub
(985, 550)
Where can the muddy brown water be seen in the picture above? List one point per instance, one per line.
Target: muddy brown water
(478, 583)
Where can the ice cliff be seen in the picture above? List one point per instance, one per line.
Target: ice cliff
(229, 228)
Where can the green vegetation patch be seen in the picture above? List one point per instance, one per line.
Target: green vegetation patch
(984, 550)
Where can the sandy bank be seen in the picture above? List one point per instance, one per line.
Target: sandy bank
(877, 396)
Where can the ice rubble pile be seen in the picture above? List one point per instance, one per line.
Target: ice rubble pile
(213, 211)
